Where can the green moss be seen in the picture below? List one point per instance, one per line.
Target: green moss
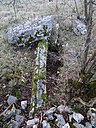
(37, 76)
(44, 97)
(18, 94)
(42, 75)
(34, 90)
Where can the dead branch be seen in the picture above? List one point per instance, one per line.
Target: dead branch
(89, 32)
(91, 103)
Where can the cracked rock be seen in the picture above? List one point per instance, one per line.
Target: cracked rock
(60, 120)
(78, 117)
(32, 122)
(19, 119)
(45, 124)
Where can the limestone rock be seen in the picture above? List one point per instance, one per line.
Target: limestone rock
(23, 104)
(68, 110)
(30, 32)
(61, 108)
(78, 125)
(88, 125)
(32, 122)
(45, 124)
(19, 119)
(50, 111)
(35, 126)
(79, 27)
(11, 100)
(78, 117)
(66, 125)
(60, 120)
(14, 124)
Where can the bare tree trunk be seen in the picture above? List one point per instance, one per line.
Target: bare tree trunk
(85, 9)
(76, 7)
(89, 31)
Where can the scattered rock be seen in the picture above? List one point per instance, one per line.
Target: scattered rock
(93, 120)
(14, 124)
(66, 125)
(92, 116)
(50, 111)
(79, 27)
(35, 126)
(45, 124)
(88, 125)
(78, 117)
(18, 111)
(11, 100)
(60, 120)
(50, 117)
(32, 122)
(19, 119)
(23, 104)
(78, 125)
(68, 110)
(61, 108)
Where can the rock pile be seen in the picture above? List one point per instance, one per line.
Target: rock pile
(79, 27)
(59, 116)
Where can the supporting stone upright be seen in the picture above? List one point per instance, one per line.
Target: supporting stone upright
(39, 77)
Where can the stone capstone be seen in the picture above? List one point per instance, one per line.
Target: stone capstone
(28, 33)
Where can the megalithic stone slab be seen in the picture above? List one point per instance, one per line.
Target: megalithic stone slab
(30, 32)
(39, 77)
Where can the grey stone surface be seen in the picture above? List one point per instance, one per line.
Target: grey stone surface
(32, 122)
(19, 119)
(60, 120)
(66, 125)
(79, 27)
(24, 104)
(88, 125)
(78, 125)
(39, 77)
(11, 100)
(29, 32)
(35, 126)
(50, 117)
(61, 108)
(45, 124)
(78, 117)
(14, 124)
(50, 111)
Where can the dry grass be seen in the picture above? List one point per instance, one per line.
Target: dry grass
(22, 60)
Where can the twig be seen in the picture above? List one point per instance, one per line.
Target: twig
(89, 104)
